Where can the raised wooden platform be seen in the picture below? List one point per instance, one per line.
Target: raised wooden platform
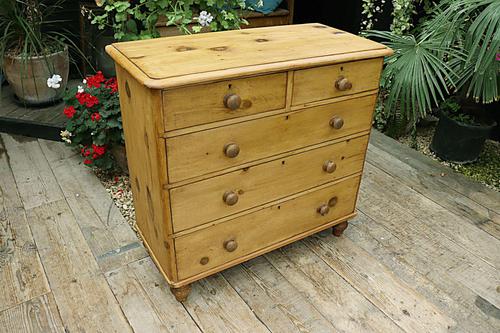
(423, 255)
(40, 122)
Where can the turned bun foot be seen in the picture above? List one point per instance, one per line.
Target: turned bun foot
(181, 294)
(338, 229)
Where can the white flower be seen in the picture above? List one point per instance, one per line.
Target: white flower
(66, 135)
(54, 81)
(205, 18)
(84, 81)
(80, 89)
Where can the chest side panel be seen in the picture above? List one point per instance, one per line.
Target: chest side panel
(142, 123)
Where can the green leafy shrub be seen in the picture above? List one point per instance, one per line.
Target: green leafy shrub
(94, 123)
(139, 19)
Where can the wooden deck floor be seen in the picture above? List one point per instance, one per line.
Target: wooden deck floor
(423, 255)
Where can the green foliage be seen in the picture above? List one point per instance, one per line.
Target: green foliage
(474, 25)
(414, 76)
(454, 50)
(94, 123)
(25, 30)
(453, 109)
(138, 20)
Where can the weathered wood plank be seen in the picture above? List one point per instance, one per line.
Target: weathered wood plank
(417, 270)
(274, 300)
(21, 273)
(332, 296)
(410, 310)
(34, 178)
(84, 298)
(216, 307)
(421, 227)
(38, 315)
(146, 300)
(454, 181)
(108, 234)
(432, 186)
(438, 219)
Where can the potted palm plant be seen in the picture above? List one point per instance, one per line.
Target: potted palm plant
(454, 53)
(34, 59)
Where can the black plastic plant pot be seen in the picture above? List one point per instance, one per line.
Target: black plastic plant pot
(458, 142)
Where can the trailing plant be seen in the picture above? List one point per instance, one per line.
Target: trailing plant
(402, 13)
(94, 123)
(131, 20)
(454, 51)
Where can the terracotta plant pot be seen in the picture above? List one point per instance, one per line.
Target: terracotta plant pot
(28, 78)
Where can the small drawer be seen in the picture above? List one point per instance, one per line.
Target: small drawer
(211, 247)
(250, 187)
(201, 104)
(320, 83)
(216, 149)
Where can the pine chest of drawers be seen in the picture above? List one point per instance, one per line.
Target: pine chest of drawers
(241, 142)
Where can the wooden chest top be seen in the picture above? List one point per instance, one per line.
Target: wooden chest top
(182, 60)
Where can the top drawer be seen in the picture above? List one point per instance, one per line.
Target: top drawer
(319, 83)
(195, 105)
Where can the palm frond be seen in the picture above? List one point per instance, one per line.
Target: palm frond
(473, 25)
(415, 76)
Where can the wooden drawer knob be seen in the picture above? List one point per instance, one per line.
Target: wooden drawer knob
(230, 245)
(329, 166)
(337, 122)
(231, 150)
(232, 101)
(343, 84)
(230, 198)
(323, 209)
(333, 201)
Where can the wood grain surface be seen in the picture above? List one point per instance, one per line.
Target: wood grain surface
(202, 104)
(202, 152)
(174, 61)
(264, 182)
(258, 230)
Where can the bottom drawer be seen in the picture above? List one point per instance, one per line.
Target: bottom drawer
(211, 247)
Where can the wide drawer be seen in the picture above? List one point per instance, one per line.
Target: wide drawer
(216, 149)
(253, 186)
(211, 247)
(326, 82)
(194, 105)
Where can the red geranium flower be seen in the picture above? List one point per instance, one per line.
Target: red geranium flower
(87, 161)
(99, 150)
(69, 111)
(96, 80)
(91, 101)
(111, 84)
(81, 97)
(87, 99)
(95, 116)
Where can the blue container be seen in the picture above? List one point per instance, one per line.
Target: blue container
(268, 6)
